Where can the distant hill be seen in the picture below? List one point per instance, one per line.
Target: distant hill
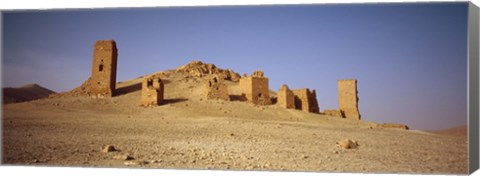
(27, 92)
(456, 131)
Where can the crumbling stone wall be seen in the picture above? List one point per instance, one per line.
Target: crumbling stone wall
(334, 112)
(215, 88)
(348, 98)
(255, 88)
(285, 97)
(102, 82)
(306, 100)
(104, 68)
(152, 91)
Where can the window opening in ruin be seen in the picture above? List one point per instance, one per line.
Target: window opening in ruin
(260, 95)
(100, 67)
(215, 79)
(149, 83)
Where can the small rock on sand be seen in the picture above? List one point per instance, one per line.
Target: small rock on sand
(347, 144)
(108, 148)
(123, 157)
(134, 163)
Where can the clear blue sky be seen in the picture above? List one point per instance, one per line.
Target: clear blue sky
(410, 60)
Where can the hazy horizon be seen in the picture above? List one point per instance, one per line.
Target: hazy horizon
(410, 60)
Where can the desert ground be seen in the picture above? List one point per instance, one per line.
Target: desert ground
(189, 132)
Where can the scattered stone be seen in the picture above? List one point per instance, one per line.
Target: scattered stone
(156, 161)
(393, 125)
(347, 144)
(334, 113)
(123, 157)
(200, 69)
(135, 163)
(108, 148)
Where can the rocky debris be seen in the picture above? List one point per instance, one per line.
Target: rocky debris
(108, 148)
(333, 112)
(135, 163)
(123, 157)
(393, 125)
(347, 144)
(200, 69)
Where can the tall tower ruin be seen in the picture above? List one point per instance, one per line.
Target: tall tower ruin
(348, 98)
(104, 68)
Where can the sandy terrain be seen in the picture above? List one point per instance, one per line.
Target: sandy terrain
(189, 132)
(456, 131)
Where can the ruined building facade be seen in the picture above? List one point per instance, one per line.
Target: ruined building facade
(255, 88)
(306, 100)
(104, 68)
(348, 98)
(215, 88)
(285, 97)
(152, 91)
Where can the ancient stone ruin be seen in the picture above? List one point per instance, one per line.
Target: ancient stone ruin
(334, 112)
(152, 91)
(104, 68)
(285, 97)
(215, 88)
(102, 82)
(348, 99)
(306, 100)
(255, 88)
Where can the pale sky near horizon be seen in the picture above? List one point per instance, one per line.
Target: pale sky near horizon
(410, 60)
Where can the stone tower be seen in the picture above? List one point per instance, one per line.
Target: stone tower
(215, 88)
(306, 100)
(255, 88)
(152, 91)
(348, 98)
(285, 97)
(104, 68)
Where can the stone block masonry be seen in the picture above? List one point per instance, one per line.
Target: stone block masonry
(255, 88)
(152, 91)
(104, 68)
(306, 100)
(216, 89)
(348, 98)
(285, 97)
